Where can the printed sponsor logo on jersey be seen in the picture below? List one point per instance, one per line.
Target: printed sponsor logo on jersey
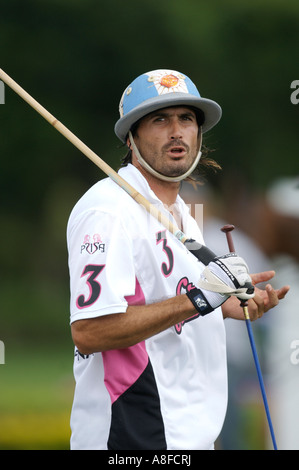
(92, 244)
(183, 286)
(79, 355)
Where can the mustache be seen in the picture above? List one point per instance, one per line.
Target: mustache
(175, 143)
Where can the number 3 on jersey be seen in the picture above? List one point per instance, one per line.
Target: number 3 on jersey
(94, 286)
(166, 269)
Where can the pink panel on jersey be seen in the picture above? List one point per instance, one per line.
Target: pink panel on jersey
(138, 297)
(124, 366)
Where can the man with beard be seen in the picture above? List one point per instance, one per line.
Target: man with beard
(150, 355)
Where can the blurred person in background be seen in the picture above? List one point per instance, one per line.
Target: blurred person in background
(244, 395)
(267, 234)
(281, 222)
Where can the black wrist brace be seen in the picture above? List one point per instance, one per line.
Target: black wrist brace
(199, 301)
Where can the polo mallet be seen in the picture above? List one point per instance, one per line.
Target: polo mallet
(227, 229)
(201, 251)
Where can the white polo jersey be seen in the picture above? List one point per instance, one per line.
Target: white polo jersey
(170, 391)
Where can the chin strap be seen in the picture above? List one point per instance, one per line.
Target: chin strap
(158, 175)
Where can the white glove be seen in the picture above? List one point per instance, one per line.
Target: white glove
(224, 276)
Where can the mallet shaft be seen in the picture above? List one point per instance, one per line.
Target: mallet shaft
(227, 229)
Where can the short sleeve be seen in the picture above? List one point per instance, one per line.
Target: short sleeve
(101, 265)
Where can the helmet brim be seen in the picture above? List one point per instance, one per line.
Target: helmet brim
(212, 111)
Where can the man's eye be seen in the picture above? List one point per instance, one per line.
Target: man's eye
(187, 118)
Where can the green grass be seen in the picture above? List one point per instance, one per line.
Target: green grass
(36, 392)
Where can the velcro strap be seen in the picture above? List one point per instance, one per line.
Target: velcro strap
(213, 283)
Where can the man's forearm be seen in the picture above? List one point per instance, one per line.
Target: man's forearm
(121, 330)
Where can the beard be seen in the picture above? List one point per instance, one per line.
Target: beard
(173, 166)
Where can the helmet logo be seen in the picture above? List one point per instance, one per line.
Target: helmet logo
(169, 81)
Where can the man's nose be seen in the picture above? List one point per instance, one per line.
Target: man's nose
(175, 130)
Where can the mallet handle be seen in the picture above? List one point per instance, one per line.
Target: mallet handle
(227, 230)
(93, 156)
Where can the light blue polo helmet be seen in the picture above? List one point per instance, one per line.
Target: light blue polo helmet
(161, 89)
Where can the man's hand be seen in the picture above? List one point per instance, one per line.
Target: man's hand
(263, 300)
(224, 276)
